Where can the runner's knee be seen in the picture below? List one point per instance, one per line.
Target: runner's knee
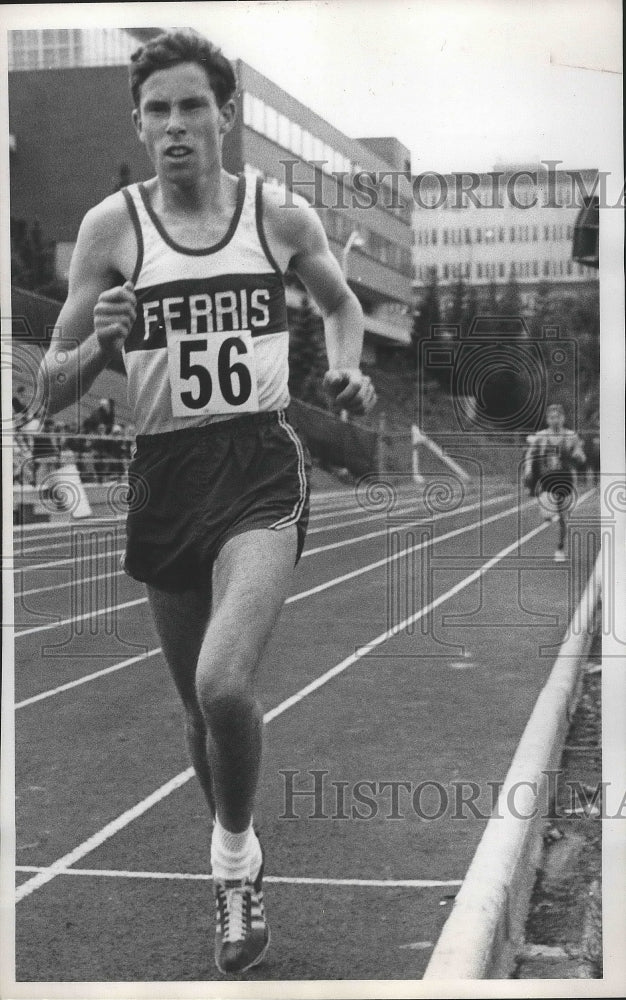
(223, 695)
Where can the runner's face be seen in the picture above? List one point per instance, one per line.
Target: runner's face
(555, 420)
(180, 124)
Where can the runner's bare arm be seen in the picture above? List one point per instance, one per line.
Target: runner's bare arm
(97, 314)
(300, 229)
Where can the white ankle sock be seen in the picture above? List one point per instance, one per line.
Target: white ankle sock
(234, 855)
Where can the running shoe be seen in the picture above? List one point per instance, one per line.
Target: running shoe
(559, 556)
(242, 934)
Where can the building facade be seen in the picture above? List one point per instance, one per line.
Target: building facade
(61, 48)
(289, 145)
(482, 229)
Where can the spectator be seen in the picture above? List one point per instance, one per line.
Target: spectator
(45, 452)
(117, 467)
(101, 453)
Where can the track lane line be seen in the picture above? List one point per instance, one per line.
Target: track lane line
(88, 677)
(124, 819)
(307, 552)
(381, 883)
(334, 582)
(118, 666)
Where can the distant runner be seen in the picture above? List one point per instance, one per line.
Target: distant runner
(553, 457)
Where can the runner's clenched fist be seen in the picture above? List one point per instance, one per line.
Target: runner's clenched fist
(114, 315)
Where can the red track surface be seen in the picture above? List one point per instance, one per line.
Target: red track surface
(443, 699)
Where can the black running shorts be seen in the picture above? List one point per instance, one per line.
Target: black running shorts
(561, 486)
(193, 489)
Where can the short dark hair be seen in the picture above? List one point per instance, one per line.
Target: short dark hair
(173, 47)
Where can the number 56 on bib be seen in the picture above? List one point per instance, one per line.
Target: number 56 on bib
(211, 374)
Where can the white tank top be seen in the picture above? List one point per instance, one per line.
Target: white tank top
(210, 341)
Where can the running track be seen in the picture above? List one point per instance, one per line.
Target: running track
(412, 649)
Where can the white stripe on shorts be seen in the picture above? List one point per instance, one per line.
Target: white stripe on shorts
(294, 517)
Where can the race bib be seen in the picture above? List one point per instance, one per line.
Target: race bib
(211, 374)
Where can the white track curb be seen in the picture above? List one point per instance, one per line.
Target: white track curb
(485, 929)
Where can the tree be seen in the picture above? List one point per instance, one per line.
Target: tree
(457, 312)
(307, 355)
(492, 300)
(429, 311)
(510, 302)
(575, 312)
(472, 307)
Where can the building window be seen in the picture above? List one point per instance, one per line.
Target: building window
(546, 268)
(271, 123)
(468, 236)
(535, 233)
(284, 132)
(479, 270)
(446, 272)
(546, 232)
(568, 267)
(570, 232)
(512, 234)
(445, 237)
(318, 148)
(434, 237)
(247, 108)
(479, 235)
(337, 162)
(501, 234)
(501, 271)
(258, 115)
(296, 139)
(536, 268)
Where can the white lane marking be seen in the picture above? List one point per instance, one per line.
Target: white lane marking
(80, 618)
(72, 560)
(412, 502)
(88, 677)
(307, 552)
(366, 883)
(404, 552)
(413, 522)
(123, 820)
(53, 526)
(68, 583)
(295, 597)
(413, 508)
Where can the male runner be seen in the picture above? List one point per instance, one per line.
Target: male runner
(551, 461)
(183, 274)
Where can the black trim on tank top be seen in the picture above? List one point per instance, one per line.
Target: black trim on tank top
(192, 251)
(258, 211)
(132, 211)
